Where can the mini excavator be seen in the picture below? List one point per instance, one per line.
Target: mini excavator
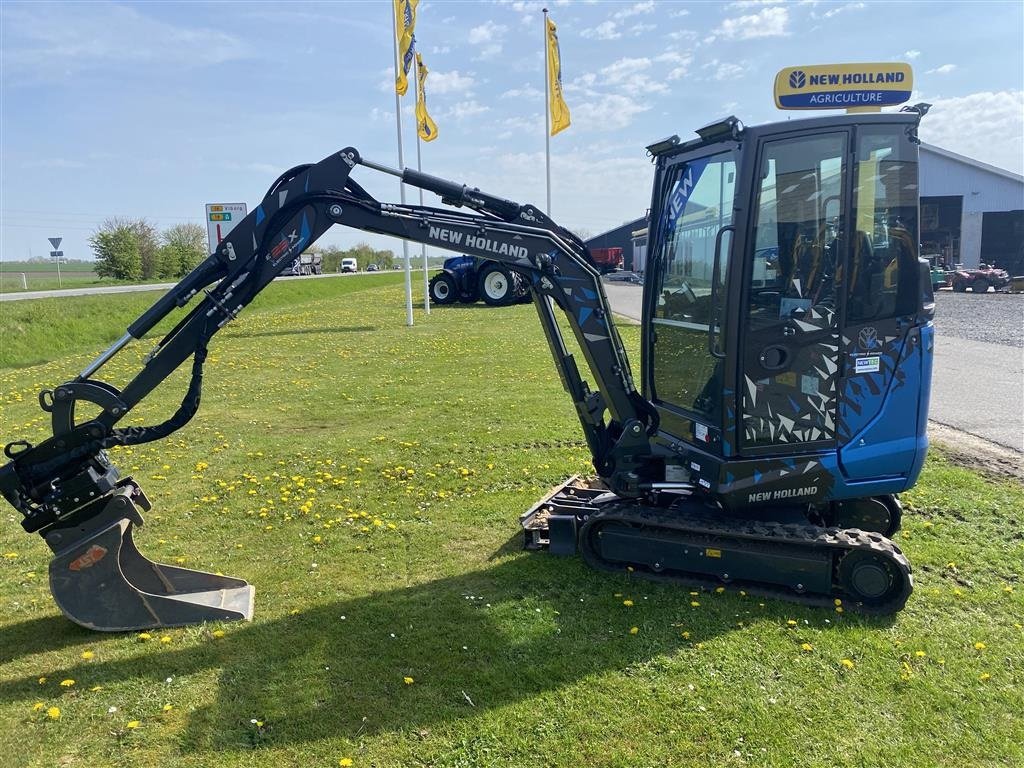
(786, 364)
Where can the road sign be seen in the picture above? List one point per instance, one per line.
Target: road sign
(863, 87)
(221, 218)
(57, 254)
(55, 242)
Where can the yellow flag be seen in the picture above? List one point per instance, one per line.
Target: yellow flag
(425, 125)
(405, 24)
(559, 111)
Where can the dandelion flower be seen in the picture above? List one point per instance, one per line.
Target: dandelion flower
(686, 635)
(694, 604)
(719, 590)
(806, 647)
(920, 654)
(144, 636)
(791, 623)
(985, 676)
(96, 688)
(168, 707)
(345, 762)
(88, 655)
(628, 603)
(53, 713)
(408, 680)
(67, 683)
(42, 681)
(979, 646)
(132, 724)
(38, 706)
(847, 663)
(634, 630)
(218, 633)
(165, 639)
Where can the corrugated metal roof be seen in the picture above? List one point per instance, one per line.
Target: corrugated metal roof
(972, 162)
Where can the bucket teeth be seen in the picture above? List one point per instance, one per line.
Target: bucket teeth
(100, 580)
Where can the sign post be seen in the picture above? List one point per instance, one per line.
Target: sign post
(853, 87)
(57, 255)
(221, 218)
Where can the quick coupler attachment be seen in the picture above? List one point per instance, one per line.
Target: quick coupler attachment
(100, 580)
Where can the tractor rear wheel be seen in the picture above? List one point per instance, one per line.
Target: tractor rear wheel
(497, 285)
(980, 285)
(442, 289)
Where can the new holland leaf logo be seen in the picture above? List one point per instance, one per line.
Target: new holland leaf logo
(797, 79)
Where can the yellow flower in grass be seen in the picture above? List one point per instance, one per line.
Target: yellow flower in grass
(628, 603)
(144, 636)
(38, 706)
(345, 762)
(88, 655)
(634, 630)
(920, 654)
(806, 647)
(53, 713)
(985, 676)
(847, 663)
(218, 633)
(408, 680)
(168, 707)
(132, 724)
(979, 646)
(67, 683)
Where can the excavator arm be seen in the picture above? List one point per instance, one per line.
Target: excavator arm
(69, 491)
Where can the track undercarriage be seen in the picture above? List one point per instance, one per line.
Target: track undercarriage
(684, 539)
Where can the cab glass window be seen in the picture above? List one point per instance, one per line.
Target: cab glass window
(883, 263)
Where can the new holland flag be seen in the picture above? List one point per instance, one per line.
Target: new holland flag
(559, 111)
(405, 24)
(425, 125)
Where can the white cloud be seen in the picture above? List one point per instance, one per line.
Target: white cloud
(679, 14)
(61, 40)
(679, 64)
(745, 4)
(607, 30)
(526, 92)
(771, 22)
(449, 82)
(682, 34)
(441, 49)
(987, 126)
(636, 9)
(486, 33)
(945, 69)
(607, 112)
(911, 54)
(465, 109)
(724, 70)
(835, 11)
(631, 75)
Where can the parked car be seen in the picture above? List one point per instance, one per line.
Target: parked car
(981, 279)
(349, 265)
(372, 268)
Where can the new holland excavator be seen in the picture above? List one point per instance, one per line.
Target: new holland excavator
(786, 363)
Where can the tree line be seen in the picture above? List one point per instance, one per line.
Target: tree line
(134, 249)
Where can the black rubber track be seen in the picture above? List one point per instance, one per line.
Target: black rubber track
(752, 534)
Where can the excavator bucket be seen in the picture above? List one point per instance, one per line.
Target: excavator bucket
(100, 580)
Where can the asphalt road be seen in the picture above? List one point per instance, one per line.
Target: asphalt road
(978, 376)
(91, 290)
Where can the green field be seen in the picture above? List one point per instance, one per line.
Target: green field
(367, 478)
(43, 277)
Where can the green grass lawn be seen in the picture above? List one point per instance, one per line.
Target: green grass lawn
(367, 478)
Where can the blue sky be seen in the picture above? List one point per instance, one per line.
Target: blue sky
(153, 109)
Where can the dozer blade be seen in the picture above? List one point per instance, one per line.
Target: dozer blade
(100, 580)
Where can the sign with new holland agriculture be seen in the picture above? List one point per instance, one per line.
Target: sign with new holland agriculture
(843, 86)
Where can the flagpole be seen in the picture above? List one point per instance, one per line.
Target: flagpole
(401, 165)
(547, 113)
(419, 167)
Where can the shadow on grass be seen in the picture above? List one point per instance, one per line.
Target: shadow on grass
(496, 636)
(305, 331)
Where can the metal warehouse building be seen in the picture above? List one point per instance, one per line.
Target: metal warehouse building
(971, 212)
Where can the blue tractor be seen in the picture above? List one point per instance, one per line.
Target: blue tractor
(469, 278)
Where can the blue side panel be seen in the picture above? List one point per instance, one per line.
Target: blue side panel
(892, 443)
(927, 358)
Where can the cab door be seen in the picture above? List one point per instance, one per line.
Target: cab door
(687, 272)
(789, 321)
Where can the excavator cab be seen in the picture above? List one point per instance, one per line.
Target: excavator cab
(788, 344)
